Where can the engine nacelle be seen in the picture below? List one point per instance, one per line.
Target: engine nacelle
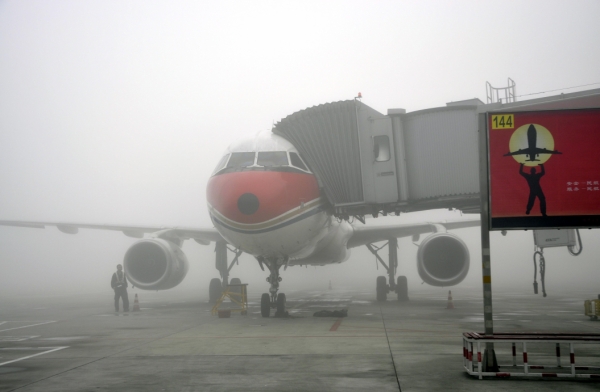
(155, 264)
(443, 260)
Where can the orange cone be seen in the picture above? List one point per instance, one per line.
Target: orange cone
(450, 302)
(136, 304)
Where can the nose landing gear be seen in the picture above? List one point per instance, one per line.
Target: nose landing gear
(273, 300)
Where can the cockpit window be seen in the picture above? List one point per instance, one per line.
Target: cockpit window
(261, 161)
(241, 159)
(221, 163)
(272, 158)
(296, 161)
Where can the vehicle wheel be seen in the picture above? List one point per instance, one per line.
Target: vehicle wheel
(235, 289)
(402, 288)
(381, 289)
(281, 303)
(215, 290)
(265, 305)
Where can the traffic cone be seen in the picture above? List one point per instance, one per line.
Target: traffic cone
(136, 304)
(450, 302)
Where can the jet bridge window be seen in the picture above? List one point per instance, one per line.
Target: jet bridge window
(296, 161)
(241, 159)
(381, 148)
(272, 158)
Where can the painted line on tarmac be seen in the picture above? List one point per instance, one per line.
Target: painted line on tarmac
(336, 325)
(48, 350)
(26, 326)
(287, 337)
(390, 348)
(17, 338)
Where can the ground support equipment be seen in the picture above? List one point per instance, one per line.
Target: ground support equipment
(237, 293)
(474, 343)
(592, 308)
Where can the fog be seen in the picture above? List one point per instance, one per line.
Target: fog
(117, 111)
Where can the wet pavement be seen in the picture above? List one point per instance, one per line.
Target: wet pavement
(175, 344)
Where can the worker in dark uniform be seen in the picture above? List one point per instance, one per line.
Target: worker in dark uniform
(119, 284)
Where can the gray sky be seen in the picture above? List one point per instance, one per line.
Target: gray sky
(117, 111)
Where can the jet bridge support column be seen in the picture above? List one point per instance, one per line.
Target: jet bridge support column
(490, 364)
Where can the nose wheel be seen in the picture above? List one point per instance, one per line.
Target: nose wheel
(272, 299)
(266, 305)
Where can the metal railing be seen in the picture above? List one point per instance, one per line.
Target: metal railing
(473, 343)
(501, 94)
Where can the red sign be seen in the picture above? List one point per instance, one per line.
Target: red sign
(544, 169)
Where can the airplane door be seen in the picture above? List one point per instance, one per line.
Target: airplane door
(380, 163)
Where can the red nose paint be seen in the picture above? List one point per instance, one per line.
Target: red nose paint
(277, 193)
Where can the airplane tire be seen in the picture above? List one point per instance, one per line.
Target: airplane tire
(265, 305)
(381, 289)
(281, 303)
(215, 290)
(402, 288)
(235, 289)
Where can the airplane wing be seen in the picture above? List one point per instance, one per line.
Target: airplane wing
(370, 234)
(529, 151)
(538, 150)
(202, 236)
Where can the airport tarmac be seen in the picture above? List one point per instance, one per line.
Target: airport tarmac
(76, 343)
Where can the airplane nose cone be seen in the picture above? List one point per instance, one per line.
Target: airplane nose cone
(248, 203)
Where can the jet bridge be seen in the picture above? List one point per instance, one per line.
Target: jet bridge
(373, 163)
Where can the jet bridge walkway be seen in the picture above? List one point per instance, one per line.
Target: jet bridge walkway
(370, 163)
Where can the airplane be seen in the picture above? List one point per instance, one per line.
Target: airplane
(532, 151)
(264, 200)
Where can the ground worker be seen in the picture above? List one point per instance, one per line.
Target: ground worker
(119, 284)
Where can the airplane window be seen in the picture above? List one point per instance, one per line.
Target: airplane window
(241, 159)
(381, 148)
(221, 164)
(272, 158)
(296, 161)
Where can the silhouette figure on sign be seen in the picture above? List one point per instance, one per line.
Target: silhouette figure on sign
(535, 190)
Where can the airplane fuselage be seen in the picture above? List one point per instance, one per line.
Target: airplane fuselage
(273, 209)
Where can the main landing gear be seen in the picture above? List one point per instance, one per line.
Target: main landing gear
(217, 286)
(400, 286)
(272, 300)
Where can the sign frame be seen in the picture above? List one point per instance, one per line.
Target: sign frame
(527, 137)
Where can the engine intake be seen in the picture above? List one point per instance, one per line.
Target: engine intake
(443, 260)
(155, 264)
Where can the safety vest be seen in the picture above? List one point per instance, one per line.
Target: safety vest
(120, 280)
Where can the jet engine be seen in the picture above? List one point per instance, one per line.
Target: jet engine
(443, 260)
(155, 264)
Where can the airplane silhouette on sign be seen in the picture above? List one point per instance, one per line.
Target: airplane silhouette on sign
(532, 151)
